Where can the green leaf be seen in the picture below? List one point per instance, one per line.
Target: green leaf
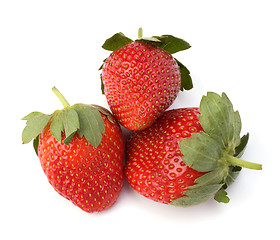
(71, 121)
(104, 111)
(68, 139)
(168, 43)
(102, 84)
(233, 172)
(205, 188)
(218, 118)
(186, 80)
(116, 41)
(240, 149)
(197, 195)
(213, 177)
(36, 144)
(100, 68)
(237, 128)
(234, 121)
(31, 115)
(56, 126)
(91, 123)
(172, 44)
(201, 152)
(66, 120)
(221, 196)
(36, 122)
(212, 118)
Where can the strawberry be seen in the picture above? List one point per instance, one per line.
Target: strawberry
(81, 151)
(188, 155)
(141, 79)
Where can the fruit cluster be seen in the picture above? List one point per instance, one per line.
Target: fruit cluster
(181, 157)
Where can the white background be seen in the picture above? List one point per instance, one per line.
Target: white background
(235, 49)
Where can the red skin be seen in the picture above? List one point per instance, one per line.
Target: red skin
(91, 178)
(155, 168)
(141, 81)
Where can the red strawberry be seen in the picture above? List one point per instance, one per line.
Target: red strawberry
(155, 168)
(81, 151)
(141, 79)
(185, 158)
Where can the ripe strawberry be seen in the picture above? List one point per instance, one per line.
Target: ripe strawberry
(155, 167)
(81, 152)
(141, 78)
(186, 157)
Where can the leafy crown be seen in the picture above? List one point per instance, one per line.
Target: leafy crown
(168, 43)
(84, 119)
(216, 151)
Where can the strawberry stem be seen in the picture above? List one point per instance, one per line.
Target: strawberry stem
(241, 163)
(140, 33)
(61, 97)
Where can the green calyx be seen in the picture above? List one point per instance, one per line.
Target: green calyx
(168, 43)
(84, 119)
(216, 151)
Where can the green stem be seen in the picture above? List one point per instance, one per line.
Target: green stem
(241, 163)
(61, 97)
(140, 33)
